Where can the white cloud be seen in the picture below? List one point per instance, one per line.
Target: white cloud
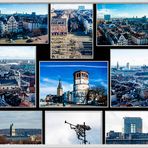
(113, 12)
(19, 52)
(57, 132)
(100, 82)
(104, 84)
(102, 12)
(49, 86)
(123, 15)
(68, 6)
(21, 119)
(50, 81)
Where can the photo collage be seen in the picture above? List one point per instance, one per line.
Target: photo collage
(73, 74)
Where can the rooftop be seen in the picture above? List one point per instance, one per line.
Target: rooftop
(6, 82)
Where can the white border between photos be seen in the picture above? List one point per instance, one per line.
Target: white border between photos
(85, 107)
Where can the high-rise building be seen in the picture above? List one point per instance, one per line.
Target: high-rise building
(107, 17)
(33, 14)
(81, 8)
(144, 19)
(132, 125)
(128, 66)
(59, 89)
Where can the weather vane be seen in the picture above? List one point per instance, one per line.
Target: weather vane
(80, 130)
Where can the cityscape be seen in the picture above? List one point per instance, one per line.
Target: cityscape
(121, 25)
(129, 78)
(123, 129)
(71, 31)
(15, 128)
(17, 76)
(20, 25)
(73, 84)
(64, 83)
(69, 134)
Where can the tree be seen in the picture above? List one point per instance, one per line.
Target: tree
(97, 96)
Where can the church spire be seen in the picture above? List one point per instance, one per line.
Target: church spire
(59, 89)
(60, 84)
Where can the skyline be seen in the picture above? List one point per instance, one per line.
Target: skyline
(24, 8)
(68, 6)
(49, 80)
(54, 123)
(19, 52)
(21, 119)
(133, 56)
(114, 120)
(122, 10)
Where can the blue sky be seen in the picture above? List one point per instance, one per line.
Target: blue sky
(122, 10)
(54, 123)
(21, 119)
(24, 8)
(51, 72)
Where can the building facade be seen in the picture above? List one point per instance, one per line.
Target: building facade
(81, 86)
(59, 26)
(132, 133)
(132, 125)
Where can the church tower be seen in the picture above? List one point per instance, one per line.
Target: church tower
(59, 89)
(12, 131)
